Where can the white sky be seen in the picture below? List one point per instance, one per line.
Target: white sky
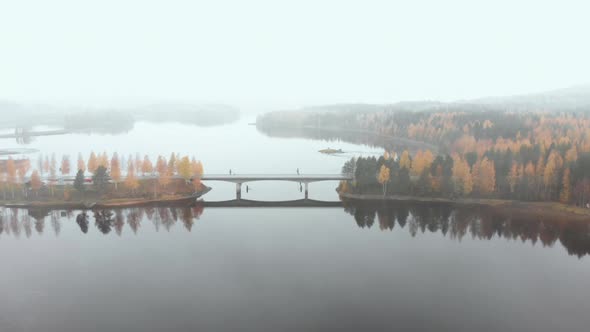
(285, 53)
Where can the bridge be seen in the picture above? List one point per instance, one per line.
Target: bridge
(270, 204)
(238, 179)
(306, 179)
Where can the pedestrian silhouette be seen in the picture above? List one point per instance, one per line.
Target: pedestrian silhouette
(230, 172)
(298, 171)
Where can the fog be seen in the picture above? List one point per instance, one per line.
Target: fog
(269, 54)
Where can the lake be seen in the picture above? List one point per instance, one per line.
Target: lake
(353, 268)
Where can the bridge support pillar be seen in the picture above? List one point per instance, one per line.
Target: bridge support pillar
(238, 191)
(306, 190)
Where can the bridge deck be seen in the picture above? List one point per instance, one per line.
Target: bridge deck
(254, 203)
(275, 177)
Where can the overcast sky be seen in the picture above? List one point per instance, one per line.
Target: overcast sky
(285, 53)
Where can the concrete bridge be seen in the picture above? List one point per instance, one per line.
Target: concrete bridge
(238, 179)
(270, 204)
(306, 179)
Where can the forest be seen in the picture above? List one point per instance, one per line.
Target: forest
(483, 151)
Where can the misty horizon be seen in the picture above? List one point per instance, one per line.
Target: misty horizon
(268, 55)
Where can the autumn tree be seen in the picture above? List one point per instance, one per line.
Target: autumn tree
(92, 163)
(115, 170)
(146, 166)
(35, 182)
(22, 169)
(103, 160)
(11, 174)
(131, 181)
(405, 161)
(184, 168)
(551, 174)
(462, 175)
(486, 177)
(81, 163)
(421, 161)
(163, 174)
(383, 177)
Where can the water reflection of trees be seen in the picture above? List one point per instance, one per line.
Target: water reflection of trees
(17, 222)
(477, 222)
(82, 221)
(454, 222)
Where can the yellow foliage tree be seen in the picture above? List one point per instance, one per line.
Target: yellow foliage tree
(462, 175)
(383, 177)
(92, 163)
(486, 177)
(131, 181)
(162, 167)
(81, 163)
(35, 182)
(104, 160)
(405, 161)
(11, 174)
(146, 166)
(184, 168)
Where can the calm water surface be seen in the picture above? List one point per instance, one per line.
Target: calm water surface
(358, 268)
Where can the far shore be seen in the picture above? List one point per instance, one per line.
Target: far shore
(513, 208)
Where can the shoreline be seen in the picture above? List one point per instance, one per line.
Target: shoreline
(107, 203)
(510, 207)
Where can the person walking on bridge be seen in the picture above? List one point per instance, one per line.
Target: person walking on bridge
(297, 171)
(230, 171)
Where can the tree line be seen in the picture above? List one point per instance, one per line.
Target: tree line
(492, 175)
(18, 179)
